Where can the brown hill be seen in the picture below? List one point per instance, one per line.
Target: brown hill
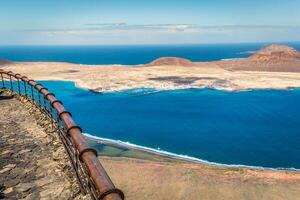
(171, 61)
(276, 52)
(273, 58)
(4, 62)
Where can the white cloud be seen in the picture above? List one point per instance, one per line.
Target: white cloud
(164, 28)
(123, 33)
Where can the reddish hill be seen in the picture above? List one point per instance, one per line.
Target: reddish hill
(171, 61)
(276, 52)
(273, 58)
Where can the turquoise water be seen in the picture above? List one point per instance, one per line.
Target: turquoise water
(128, 55)
(255, 128)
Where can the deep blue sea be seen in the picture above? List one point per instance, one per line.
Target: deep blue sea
(128, 55)
(255, 128)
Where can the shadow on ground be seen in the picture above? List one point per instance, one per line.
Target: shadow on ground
(5, 97)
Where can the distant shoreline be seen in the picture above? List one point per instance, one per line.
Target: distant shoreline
(273, 67)
(122, 54)
(153, 91)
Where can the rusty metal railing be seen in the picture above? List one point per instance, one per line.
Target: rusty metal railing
(90, 174)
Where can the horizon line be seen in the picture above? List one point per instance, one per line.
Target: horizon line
(157, 44)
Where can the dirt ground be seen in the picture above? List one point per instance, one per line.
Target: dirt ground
(153, 180)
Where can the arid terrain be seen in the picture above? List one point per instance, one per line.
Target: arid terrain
(152, 180)
(274, 67)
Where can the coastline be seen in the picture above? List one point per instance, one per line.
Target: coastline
(153, 90)
(178, 157)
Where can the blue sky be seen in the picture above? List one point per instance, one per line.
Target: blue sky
(148, 22)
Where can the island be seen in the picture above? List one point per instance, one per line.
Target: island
(273, 67)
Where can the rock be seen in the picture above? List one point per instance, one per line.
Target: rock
(33, 196)
(43, 181)
(7, 168)
(24, 187)
(12, 182)
(24, 151)
(8, 190)
(6, 152)
(52, 192)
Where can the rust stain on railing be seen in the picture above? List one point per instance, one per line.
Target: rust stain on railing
(91, 176)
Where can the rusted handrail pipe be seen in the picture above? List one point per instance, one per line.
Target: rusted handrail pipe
(101, 180)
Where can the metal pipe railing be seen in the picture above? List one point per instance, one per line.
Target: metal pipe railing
(90, 174)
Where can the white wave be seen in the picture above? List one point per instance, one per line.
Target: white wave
(179, 156)
(114, 65)
(228, 59)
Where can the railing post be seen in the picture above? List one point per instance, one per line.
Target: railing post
(39, 99)
(11, 84)
(3, 83)
(25, 88)
(32, 94)
(19, 90)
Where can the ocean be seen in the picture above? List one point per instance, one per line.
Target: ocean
(128, 55)
(254, 128)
